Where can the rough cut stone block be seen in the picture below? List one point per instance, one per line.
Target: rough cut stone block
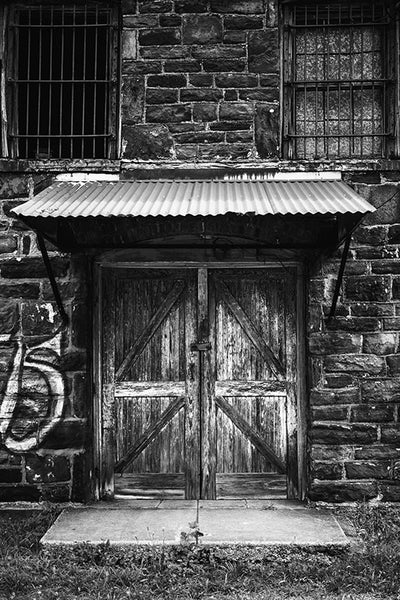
(334, 343)
(246, 7)
(243, 22)
(201, 80)
(140, 21)
(396, 288)
(8, 243)
(129, 44)
(141, 67)
(264, 95)
(159, 37)
(166, 81)
(380, 343)
(147, 142)
(55, 493)
(205, 112)
(67, 434)
(170, 21)
(200, 137)
(391, 324)
(14, 186)
(331, 453)
(393, 363)
(385, 390)
(161, 95)
(325, 396)
(366, 413)
(355, 324)
(155, 6)
(390, 434)
(168, 114)
(191, 6)
(368, 288)
(225, 64)
(340, 433)
(218, 52)
(380, 451)
(164, 52)
(367, 309)
(231, 125)
(233, 80)
(362, 363)
(132, 101)
(330, 413)
(343, 491)
(8, 316)
(30, 268)
(186, 151)
(386, 266)
(263, 51)
(379, 196)
(371, 236)
(47, 469)
(202, 29)
(324, 470)
(390, 491)
(368, 470)
(235, 111)
(234, 37)
(239, 136)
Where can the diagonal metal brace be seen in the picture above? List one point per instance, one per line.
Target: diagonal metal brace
(339, 278)
(52, 279)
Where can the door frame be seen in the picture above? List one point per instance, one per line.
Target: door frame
(102, 473)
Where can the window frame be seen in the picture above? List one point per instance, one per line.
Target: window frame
(391, 139)
(10, 79)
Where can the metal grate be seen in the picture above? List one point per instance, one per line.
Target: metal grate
(62, 81)
(337, 83)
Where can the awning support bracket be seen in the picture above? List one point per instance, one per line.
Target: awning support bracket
(52, 279)
(339, 278)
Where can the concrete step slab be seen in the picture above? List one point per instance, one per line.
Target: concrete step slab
(284, 527)
(119, 527)
(229, 525)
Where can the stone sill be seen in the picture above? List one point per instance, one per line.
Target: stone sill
(125, 165)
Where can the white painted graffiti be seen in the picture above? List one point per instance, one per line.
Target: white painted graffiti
(34, 394)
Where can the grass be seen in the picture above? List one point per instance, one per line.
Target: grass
(369, 570)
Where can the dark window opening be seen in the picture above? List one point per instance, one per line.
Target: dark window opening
(339, 80)
(64, 81)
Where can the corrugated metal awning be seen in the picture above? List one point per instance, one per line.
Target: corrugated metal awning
(171, 198)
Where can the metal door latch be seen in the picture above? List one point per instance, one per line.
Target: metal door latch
(200, 347)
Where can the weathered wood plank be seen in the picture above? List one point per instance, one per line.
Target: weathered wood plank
(251, 485)
(244, 321)
(151, 485)
(251, 434)
(250, 388)
(108, 402)
(143, 389)
(150, 434)
(192, 408)
(206, 318)
(150, 329)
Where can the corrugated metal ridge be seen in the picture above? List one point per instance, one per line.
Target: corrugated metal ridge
(193, 197)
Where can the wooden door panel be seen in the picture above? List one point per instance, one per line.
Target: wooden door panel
(251, 345)
(151, 391)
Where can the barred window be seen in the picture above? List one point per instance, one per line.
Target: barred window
(62, 80)
(338, 80)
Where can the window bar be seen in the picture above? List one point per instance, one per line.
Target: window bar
(49, 149)
(28, 85)
(60, 147)
(73, 83)
(106, 128)
(38, 124)
(84, 58)
(95, 84)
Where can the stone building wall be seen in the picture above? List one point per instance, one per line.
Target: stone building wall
(355, 359)
(200, 87)
(43, 369)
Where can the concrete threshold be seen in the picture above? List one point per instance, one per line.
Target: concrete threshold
(216, 523)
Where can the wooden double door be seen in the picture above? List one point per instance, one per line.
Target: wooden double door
(199, 379)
